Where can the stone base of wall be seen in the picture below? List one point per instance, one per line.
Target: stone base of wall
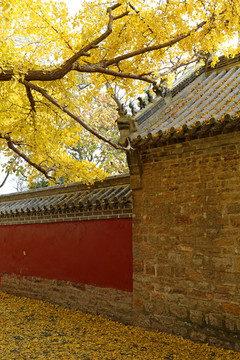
(110, 303)
(213, 328)
(227, 336)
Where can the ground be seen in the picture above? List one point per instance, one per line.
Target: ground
(32, 329)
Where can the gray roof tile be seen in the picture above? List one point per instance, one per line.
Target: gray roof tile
(82, 196)
(212, 94)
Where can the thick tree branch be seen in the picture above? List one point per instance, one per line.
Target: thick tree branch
(97, 68)
(73, 116)
(11, 145)
(60, 72)
(102, 66)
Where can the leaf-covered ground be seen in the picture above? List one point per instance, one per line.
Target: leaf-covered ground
(32, 329)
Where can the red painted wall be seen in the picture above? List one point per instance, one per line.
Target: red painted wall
(94, 252)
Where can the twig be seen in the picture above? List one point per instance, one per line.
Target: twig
(5, 179)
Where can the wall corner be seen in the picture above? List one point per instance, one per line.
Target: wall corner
(135, 169)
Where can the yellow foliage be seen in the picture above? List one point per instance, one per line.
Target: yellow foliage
(32, 329)
(41, 44)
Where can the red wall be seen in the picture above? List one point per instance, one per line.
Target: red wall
(94, 252)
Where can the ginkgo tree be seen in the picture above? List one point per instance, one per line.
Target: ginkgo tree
(46, 56)
(102, 114)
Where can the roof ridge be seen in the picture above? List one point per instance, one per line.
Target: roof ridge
(93, 199)
(159, 101)
(186, 80)
(110, 181)
(223, 61)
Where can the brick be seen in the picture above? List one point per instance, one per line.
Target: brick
(235, 220)
(237, 346)
(180, 329)
(197, 260)
(214, 319)
(215, 341)
(232, 309)
(164, 270)
(150, 270)
(178, 311)
(198, 336)
(238, 324)
(233, 208)
(159, 308)
(138, 304)
(79, 286)
(230, 323)
(222, 263)
(196, 316)
(138, 266)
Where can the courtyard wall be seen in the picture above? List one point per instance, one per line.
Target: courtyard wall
(186, 238)
(70, 246)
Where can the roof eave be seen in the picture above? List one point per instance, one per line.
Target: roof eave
(186, 133)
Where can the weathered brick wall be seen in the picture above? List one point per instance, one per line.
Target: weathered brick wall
(186, 239)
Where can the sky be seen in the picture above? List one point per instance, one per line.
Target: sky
(11, 184)
(73, 5)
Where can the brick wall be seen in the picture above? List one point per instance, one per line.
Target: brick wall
(186, 239)
(67, 215)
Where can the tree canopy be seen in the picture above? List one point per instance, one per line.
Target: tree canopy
(53, 66)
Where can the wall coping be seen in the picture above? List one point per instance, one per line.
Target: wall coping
(111, 198)
(114, 181)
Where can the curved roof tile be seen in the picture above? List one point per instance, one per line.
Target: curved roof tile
(210, 94)
(105, 195)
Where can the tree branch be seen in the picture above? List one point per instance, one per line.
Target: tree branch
(72, 64)
(138, 13)
(30, 98)
(153, 47)
(120, 106)
(73, 116)
(11, 145)
(60, 72)
(97, 68)
(5, 179)
(121, 15)
(56, 31)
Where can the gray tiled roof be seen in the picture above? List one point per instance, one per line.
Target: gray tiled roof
(205, 98)
(108, 194)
